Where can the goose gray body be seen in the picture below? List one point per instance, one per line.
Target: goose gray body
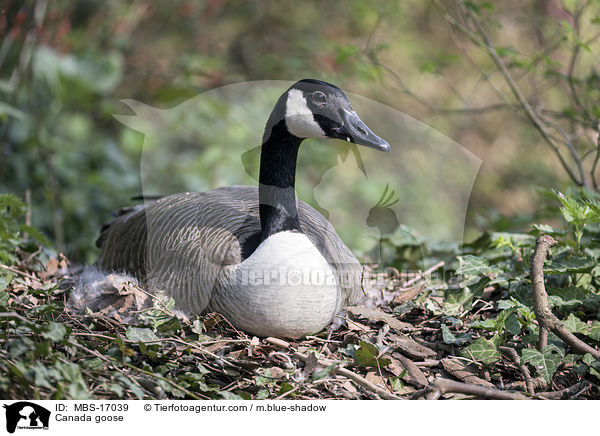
(270, 263)
(185, 243)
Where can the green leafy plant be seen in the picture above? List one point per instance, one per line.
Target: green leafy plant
(13, 229)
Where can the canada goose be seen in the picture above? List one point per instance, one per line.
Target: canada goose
(272, 265)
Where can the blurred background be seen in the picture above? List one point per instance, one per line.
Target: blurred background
(514, 83)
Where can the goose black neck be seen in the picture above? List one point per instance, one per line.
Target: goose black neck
(276, 191)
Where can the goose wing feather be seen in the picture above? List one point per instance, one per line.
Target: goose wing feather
(181, 243)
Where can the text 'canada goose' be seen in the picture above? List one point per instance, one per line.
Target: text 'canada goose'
(271, 264)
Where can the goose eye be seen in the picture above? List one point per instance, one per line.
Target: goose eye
(319, 97)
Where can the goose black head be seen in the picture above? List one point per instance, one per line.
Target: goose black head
(315, 109)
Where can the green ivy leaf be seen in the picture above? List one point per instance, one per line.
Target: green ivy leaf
(138, 334)
(545, 363)
(285, 387)
(55, 331)
(451, 338)
(593, 364)
(230, 395)
(482, 350)
(540, 229)
(470, 265)
(575, 264)
(512, 324)
(575, 325)
(366, 355)
(457, 301)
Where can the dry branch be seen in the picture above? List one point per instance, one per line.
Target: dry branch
(444, 386)
(546, 319)
(514, 356)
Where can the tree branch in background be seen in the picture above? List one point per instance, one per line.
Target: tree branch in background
(534, 117)
(554, 135)
(546, 319)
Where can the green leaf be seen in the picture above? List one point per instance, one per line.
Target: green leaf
(4, 296)
(545, 363)
(512, 324)
(593, 364)
(594, 331)
(450, 338)
(396, 384)
(17, 206)
(230, 395)
(482, 350)
(366, 355)
(457, 301)
(285, 387)
(35, 234)
(470, 265)
(575, 264)
(54, 331)
(575, 325)
(487, 324)
(262, 394)
(138, 334)
(548, 230)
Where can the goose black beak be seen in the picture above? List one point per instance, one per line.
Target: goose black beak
(354, 130)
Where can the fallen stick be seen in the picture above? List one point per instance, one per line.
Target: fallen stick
(514, 356)
(567, 392)
(444, 386)
(546, 319)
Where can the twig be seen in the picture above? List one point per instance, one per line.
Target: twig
(444, 386)
(546, 319)
(424, 273)
(512, 353)
(567, 392)
(482, 40)
(16, 271)
(593, 170)
(16, 316)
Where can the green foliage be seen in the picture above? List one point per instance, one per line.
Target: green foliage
(368, 355)
(499, 261)
(483, 350)
(577, 211)
(12, 228)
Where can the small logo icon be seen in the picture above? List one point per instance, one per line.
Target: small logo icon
(26, 415)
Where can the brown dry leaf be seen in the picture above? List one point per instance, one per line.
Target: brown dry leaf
(415, 375)
(378, 315)
(51, 267)
(277, 372)
(213, 348)
(349, 386)
(357, 326)
(236, 354)
(55, 267)
(408, 294)
(464, 372)
(375, 378)
(311, 365)
(394, 367)
(411, 348)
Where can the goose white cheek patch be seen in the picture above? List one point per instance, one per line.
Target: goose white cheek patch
(298, 117)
